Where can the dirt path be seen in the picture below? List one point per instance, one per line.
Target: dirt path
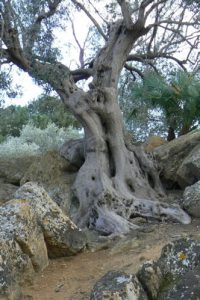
(73, 278)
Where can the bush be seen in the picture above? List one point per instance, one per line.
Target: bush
(35, 141)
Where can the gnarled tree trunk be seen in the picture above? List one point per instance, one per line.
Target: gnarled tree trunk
(116, 182)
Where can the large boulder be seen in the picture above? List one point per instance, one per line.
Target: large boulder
(186, 288)
(22, 247)
(73, 152)
(171, 157)
(178, 261)
(7, 191)
(61, 235)
(189, 170)
(191, 200)
(15, 267)
(55, 175)
(151, 278)
(119, 286)
(12, 170)
(31, 228)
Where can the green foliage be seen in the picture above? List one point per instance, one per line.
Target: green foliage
(7, 89)
(12, 119)
(40, 113)
(139, 116)
(178, 99)
(43, 44)
(50, 109)
(34, 141)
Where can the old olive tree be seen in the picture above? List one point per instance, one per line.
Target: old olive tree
(116, 181)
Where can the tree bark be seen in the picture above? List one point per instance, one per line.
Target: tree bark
(117, 181)
(171, 134)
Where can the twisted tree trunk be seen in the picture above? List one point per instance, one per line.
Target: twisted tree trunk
(116, 182)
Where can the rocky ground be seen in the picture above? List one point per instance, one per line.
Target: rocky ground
(73, 278)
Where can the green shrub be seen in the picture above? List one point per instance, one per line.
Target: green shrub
(34, 141)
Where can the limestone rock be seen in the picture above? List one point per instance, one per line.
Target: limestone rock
(18, 221)
(29, 226)
(170, 157)
(162, 278)
(191, 199)
(73, 152)
(151, 278)
(61, 235)
(188, 287)
(22, 247)
(14, 265)
(52, 172)
(189, 171)
(7, 191)
(12, 170)
(118, 286)
(179, 257)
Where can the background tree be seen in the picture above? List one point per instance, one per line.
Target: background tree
(49, 109)
(177, 98)
(116, 181)
(40, 112)
(140, 118)
(12, 120)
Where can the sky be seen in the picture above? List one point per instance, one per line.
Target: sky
(29, 89)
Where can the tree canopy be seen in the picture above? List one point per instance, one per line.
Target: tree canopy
(29, 31)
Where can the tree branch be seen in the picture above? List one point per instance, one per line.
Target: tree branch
(144, 58)
(125, 9)
(133, 69)
(11, 37)
(82, 7)
(81, 49)
(96, 11)
(81, 74)
(155, 5)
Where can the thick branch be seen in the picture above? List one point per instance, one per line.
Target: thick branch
(81, 74)
(141, 14)
(125, 8)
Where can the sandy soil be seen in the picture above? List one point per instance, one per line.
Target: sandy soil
(73, 278)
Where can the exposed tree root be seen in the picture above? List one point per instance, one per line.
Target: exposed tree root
(109, 203)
